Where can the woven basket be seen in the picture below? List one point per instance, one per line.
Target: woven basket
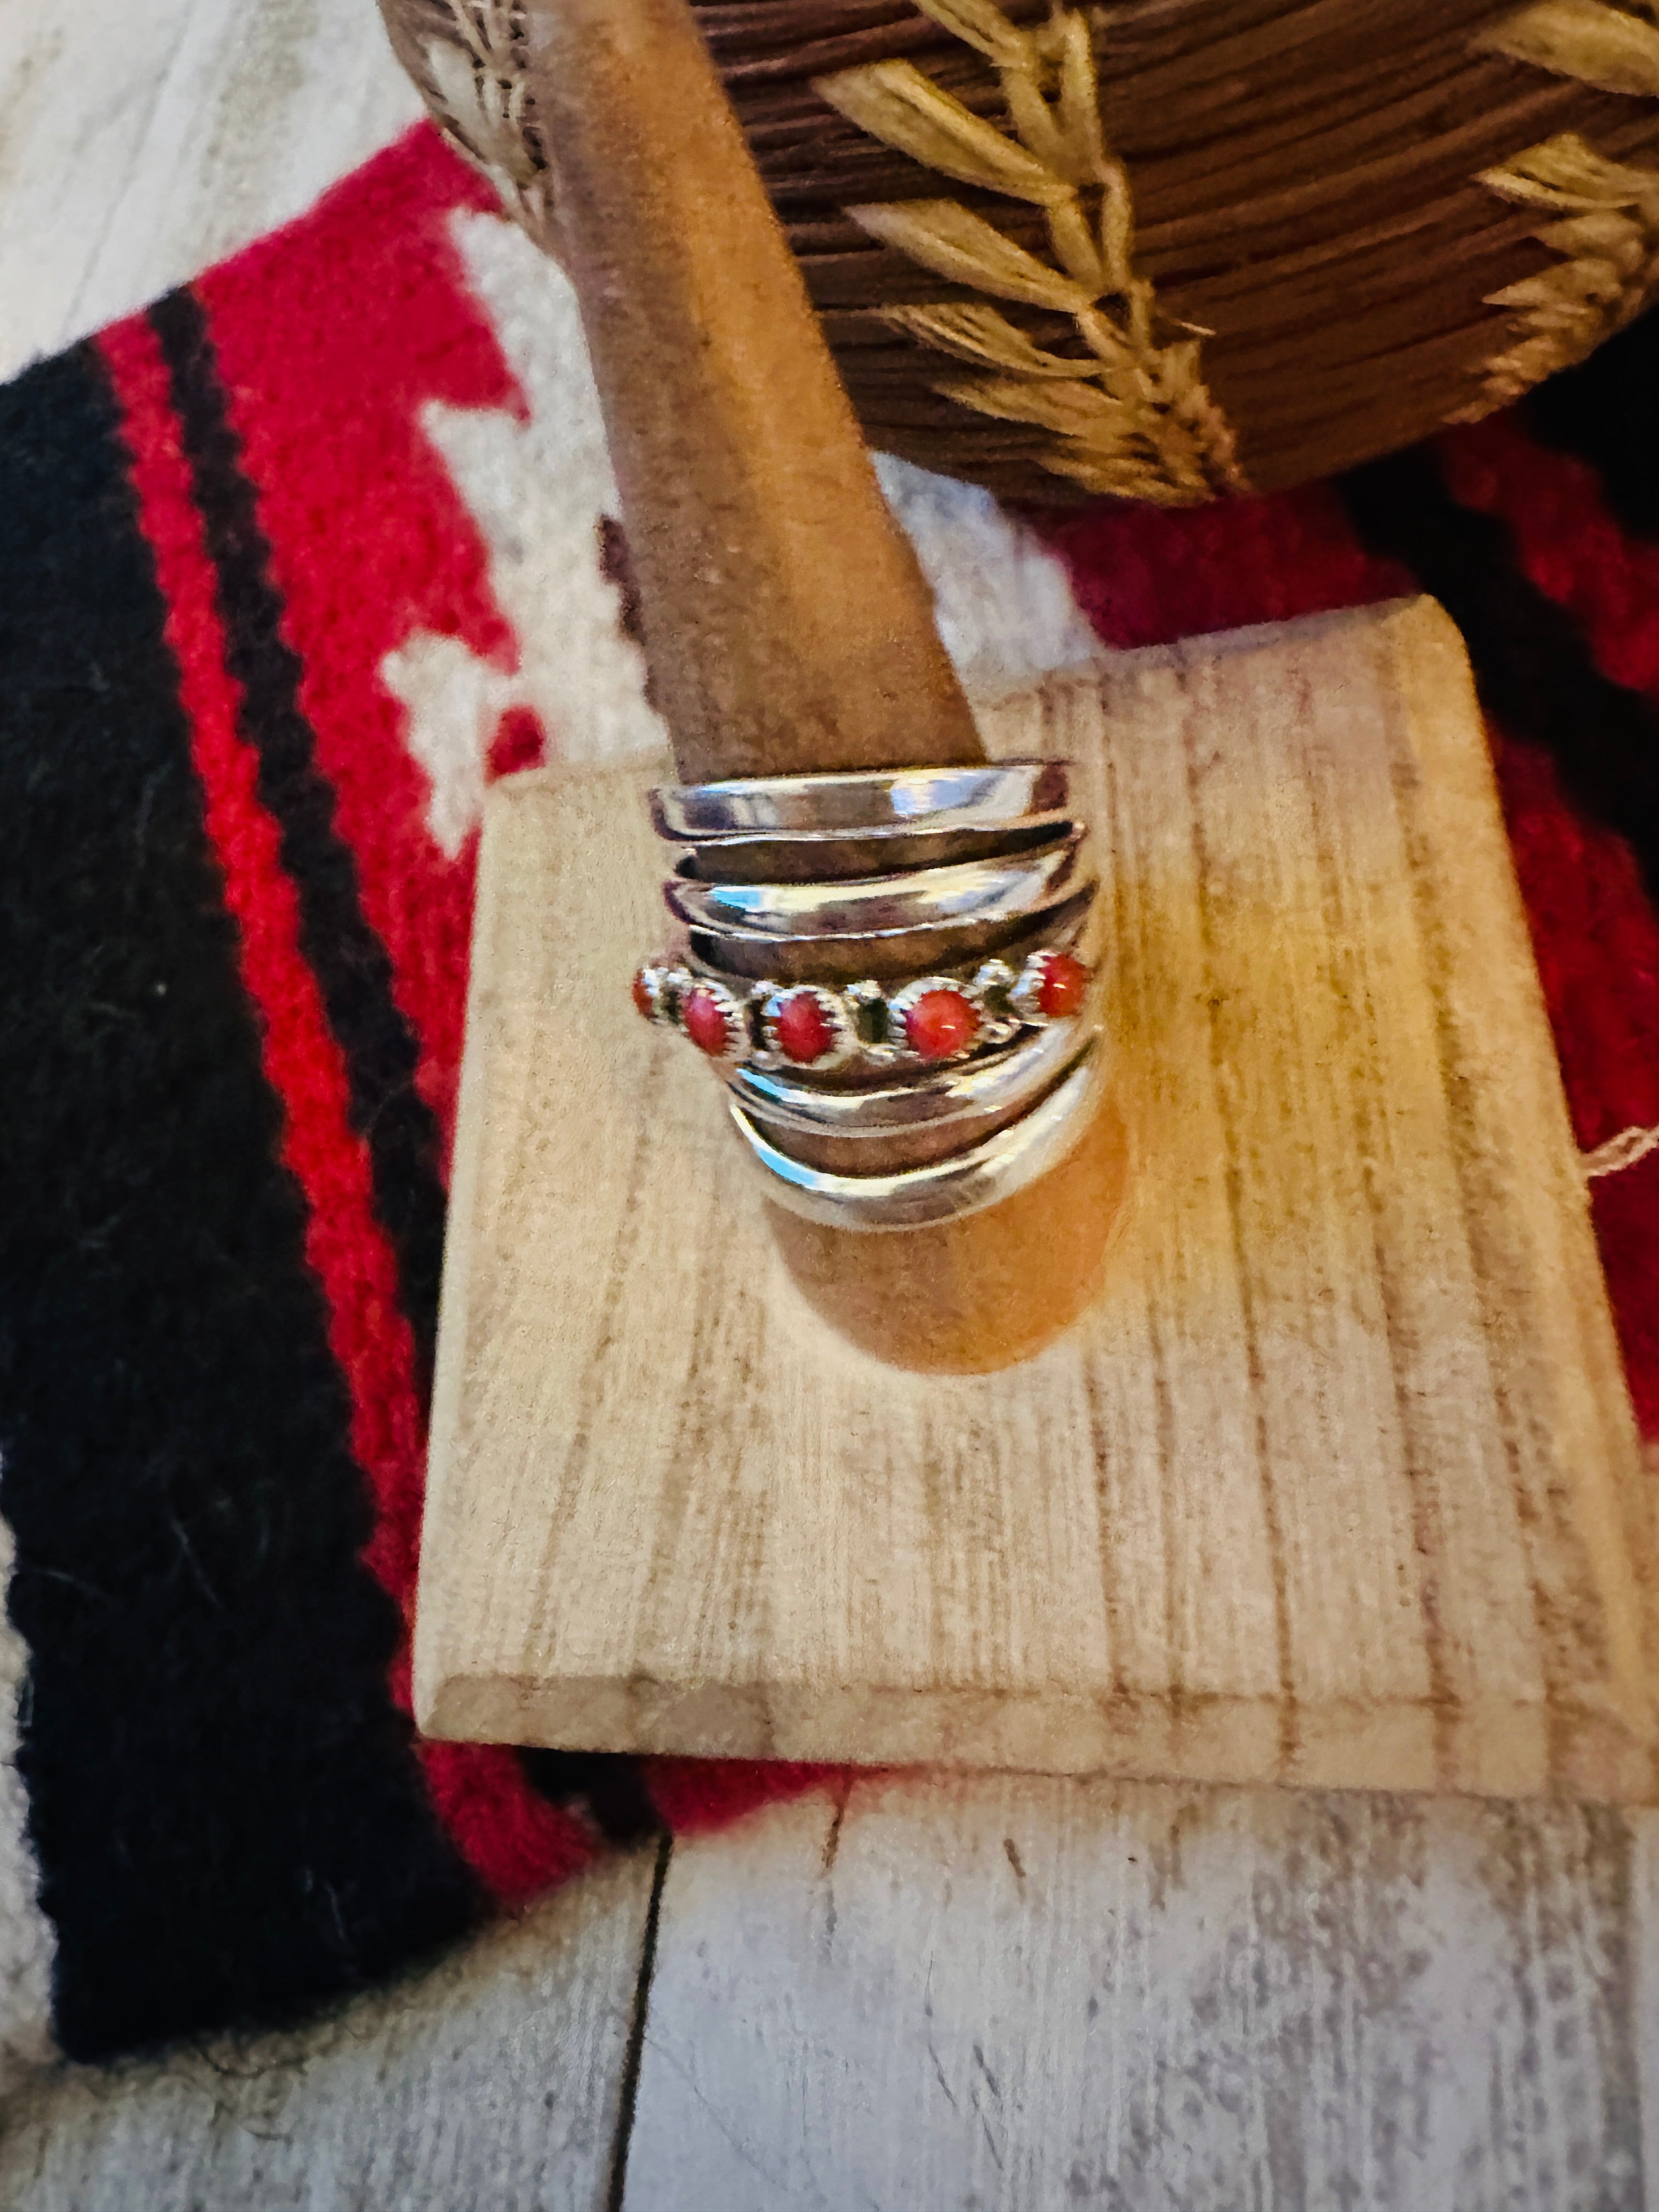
(1168, 249)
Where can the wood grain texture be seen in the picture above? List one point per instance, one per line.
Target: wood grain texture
(139, 143)
(1642, 1922)
(494, 2081)
(1011, 1993)
(1335, 1482)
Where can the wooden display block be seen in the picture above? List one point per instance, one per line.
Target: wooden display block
(1335, 1482)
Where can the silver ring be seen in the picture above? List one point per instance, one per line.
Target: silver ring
(733, 952)
(809, 1030)
(892, 972)
(991, 795)
(970, 893)
(830, 855)
(962, 1094)
(940, 1190)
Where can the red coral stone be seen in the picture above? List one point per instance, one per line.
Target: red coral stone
(940, 1025)
(1064, 982)
(705, 1024)
(804, 1031)
(643, 998)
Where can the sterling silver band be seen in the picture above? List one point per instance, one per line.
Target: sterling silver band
(897, 952)
(892, 973)
(969, 1094)
(965, 895)
(830, 856)
(995, 795)
(964, 1183)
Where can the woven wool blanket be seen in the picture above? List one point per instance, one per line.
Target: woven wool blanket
(290, 567)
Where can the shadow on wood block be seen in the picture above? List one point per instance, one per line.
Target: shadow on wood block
(1334, 1480)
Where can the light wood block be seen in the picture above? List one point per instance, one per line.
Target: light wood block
(1335, 1482)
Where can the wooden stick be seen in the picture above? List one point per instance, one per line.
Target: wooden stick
(786, 624)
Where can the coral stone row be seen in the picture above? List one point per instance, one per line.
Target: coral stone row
(934, 1019)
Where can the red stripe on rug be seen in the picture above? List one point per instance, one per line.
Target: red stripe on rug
(331, 338)
(1567, 542)
(514, 1839)
(1596, 942)
(1597, 934)
(1148, 575)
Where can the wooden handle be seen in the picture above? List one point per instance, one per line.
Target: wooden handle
(788, 625)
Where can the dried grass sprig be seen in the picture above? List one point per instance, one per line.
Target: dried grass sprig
(1582, 38)
(1606, 230)
(1604, 214)
(1134, 418)
(481, 101)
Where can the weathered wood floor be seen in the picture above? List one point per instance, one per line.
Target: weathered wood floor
(1004, 1993)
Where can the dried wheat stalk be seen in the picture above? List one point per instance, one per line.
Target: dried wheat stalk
(1604, 214)
(1583, 39)
(1131, 416)
(1354, 237)
(473, 81)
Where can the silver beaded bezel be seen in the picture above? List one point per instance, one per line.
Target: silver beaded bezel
(844, 1045)
(1026, 996)
(738, 1045)
(657, 976)
(900, 1003)
(1004, 1001)
(878, 1054)
(995, 979)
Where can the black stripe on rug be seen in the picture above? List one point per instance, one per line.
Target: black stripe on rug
(230, 1819)
(608, 1784)
(1532, 666)
(351, 964)
(1603, 411)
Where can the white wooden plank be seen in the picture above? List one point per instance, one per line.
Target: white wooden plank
(1018, 1993)
(77, 91)
(493, 2081)
(1643, 1939)
(26, 1939)
(140, 143)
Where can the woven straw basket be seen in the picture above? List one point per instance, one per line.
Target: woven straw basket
(1166, 249)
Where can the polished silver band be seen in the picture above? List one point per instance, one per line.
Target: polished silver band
(982, 1173)
(894, 974)
(995, 795)
(964, 895)
(889, 953)
(970, 1096)
(776, 859)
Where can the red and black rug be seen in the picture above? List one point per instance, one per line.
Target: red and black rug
(290, 565)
